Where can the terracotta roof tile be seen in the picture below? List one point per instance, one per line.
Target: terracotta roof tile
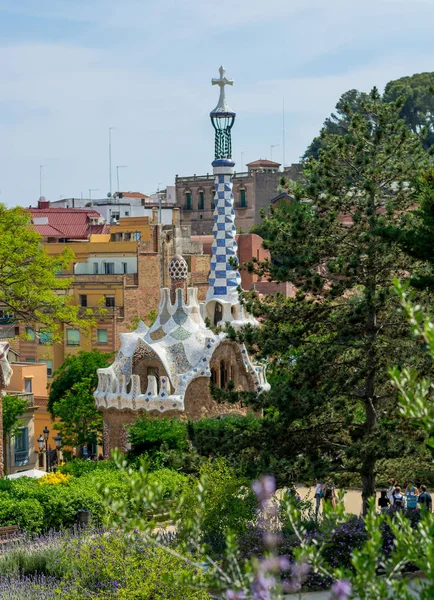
(72, 223)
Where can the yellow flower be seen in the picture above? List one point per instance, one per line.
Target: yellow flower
(54, 478)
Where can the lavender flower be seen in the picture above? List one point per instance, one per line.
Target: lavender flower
(341, 590)
(264, 488)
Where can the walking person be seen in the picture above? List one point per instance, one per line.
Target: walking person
(411, 495)
(319, 493)
(383, 501)
(392, 486)
(424, 500)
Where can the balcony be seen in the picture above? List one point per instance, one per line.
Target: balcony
(21, 458)
(107, 312)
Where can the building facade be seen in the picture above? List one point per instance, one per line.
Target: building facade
(116, 277)
(253, 191)
(170, 368)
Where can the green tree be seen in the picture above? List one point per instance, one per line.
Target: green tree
(330, 346)
(415, 233)
(337, 123)
(74, 369)
(71, 399)
(417, 109)
(29, 286)
(13, 408)
(80, 422)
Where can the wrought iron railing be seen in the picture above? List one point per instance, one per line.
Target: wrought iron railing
(21, 458)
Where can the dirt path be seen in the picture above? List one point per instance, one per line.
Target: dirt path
(352, 498)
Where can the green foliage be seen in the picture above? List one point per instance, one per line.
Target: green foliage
(80, 422)
(30, 288)
(149, 434)
(417, 110)
(416, 103)
(71, 399)
(116, 566)
(238, 439)
(75, 368)
(13, 407)
(227, 501)
(78, 467)
(329, 348)
(29, 515)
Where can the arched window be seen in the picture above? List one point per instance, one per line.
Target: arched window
(218, 313)
(213, 376)
(188, 200)
(201, 204)
(212, 196)
(223, 375)
(243, 198)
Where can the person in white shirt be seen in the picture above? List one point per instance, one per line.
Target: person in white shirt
(319, 493)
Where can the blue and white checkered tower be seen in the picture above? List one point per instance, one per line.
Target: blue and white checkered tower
(222, 303)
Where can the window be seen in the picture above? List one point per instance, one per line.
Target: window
(188, 200)
(127, 237)
(110, 301)
(101, 336)
(28, 387)
(95, 268)
(30, 334)
(124, 267)
(21, 447)
(83, 299)
(49, 364)
(30, 360)
(127, 214)
(201, 200)
(45, 337)
(72, 337)
(109, 268)
(137, 236)
(243, 201)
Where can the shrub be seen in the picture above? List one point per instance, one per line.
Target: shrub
(233, 437)
(228, 501)
(149, 434)
(78, 467)
(28, 514)
(114, 565)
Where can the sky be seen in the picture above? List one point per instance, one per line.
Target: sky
(70, 69)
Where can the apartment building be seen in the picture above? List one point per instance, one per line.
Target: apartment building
(115, 277)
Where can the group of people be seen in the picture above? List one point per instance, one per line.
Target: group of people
(411, 498)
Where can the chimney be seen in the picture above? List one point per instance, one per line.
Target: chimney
(176, 213)
(42, 203)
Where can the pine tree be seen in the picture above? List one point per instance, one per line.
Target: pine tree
(331, 345)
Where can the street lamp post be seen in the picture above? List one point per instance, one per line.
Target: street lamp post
(43, 443)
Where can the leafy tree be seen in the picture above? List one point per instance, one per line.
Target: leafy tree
(331, 345)
(74, 369)
(417, 109)
(28, 283)
(71, 398)
(13, 408)
(337, 124)
(415, 233)
(80, 422)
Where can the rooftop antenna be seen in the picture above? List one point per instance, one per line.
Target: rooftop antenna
(92, 190)
(40, 179)
(110, 157)
(283, 131)
(271, 150)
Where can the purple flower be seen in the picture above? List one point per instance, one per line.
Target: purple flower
(341, 590)
(264, 488)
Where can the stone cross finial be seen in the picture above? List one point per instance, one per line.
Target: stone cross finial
(222, 104)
